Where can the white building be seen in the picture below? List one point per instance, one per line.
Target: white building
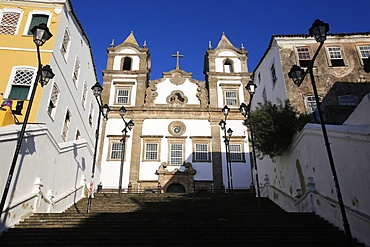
(176, 143)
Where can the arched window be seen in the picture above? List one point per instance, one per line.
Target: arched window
(127, 63)
(66, 125)
(228, 66)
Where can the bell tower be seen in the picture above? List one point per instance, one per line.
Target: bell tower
(226, 73)
(127, 73)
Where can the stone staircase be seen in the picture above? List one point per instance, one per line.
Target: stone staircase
(237, 219)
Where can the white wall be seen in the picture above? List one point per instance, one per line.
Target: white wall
(41, 157)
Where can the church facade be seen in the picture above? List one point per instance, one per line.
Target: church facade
(176, 143)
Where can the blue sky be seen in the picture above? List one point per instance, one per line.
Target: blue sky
(188, 25)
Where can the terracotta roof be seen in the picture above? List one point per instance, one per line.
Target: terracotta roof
(302, 36)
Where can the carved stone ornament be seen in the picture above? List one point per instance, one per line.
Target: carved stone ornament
(177, 98)
(177, 79)
(176, 128)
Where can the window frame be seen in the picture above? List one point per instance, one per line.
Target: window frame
(114, 139)
(330, 59)
(307, 102)
(53, 111)
(201, 140)
(10, 10)
(348, 100)
(75, 78)
(228, 87)
(177, 140)
(151, 140)
(65, 47)
(84, 95)
(30, 17)
(12, 78)
(240, 142)
(304, 62)
(361, 52)
(66, 125)
(122, 85)
(117, 96)
(273, 75)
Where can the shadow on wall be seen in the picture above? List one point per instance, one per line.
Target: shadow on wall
(28, 147)
(342, 99)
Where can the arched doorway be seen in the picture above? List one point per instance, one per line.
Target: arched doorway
(175, 188)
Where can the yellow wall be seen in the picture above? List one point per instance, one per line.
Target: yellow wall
(20, 50)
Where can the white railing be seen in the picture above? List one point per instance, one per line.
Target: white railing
(323, 206)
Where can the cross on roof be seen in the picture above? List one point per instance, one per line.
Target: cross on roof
(178, 56)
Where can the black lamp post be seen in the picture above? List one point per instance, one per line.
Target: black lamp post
(222, 124)
(103, 110)
(319, 30)
(128, 126)
(44, 74)
(246, 111)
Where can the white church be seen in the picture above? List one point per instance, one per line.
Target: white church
(175, 143)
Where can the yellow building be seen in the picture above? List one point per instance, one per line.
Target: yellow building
(19, 57)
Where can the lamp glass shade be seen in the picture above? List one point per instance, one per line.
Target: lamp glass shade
(130, 125)
(296, 74)
(97, 89)
(105, 109)
(230, 132)
(243, 109)
(319, 30)
(222, 124)
(46, 75)
(41, 34)
(251, 87)
(225, 110)
(122, 111)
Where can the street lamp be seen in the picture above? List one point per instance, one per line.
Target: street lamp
(222, 124)
(103, 110)
(246, 111)
(319, 30)
(44, 74)
(128, 126)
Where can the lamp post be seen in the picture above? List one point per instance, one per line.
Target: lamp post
(246, 111)
(319, 30)
(222, 124)
(44, 74)
(103, 110)
(128, 126)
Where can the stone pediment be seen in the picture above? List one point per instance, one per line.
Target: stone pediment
(177, 88)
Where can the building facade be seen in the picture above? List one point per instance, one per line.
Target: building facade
(58, 147)
(176, 143)
(340, 78)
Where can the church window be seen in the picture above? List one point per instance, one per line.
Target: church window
(65, 44)
(236, 153)
(84, 94)
(364, 52)
(66, 125)
(304, 55)
(176, 153)
(201, 149)
(335, 56)
(151, 151)
(37, 19)
(151, 148)
(115, 150)
(76, 71)
(123, 96)
(231, 98)
(228, 66)
(9, 22)
(53, 101)
(21, 83)
(273, 74)
(127, 62)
